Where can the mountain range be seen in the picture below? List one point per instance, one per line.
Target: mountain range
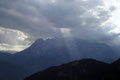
(53, 52)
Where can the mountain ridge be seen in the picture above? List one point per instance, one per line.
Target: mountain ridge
(85, 69)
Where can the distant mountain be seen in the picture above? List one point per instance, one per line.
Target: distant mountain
(10, 71)
(43, 54)
(51, 52)
(62, 48)
(86, 69)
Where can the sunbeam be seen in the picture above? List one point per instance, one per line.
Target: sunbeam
(70, 43)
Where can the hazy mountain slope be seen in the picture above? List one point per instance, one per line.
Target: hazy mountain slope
(6, 56)
(10, 71)
(42, 54)
(45, 53)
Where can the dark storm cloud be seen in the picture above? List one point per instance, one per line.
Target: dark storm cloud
(44, 18)
(34, 14)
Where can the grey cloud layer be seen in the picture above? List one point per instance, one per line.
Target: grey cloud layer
(42, 18)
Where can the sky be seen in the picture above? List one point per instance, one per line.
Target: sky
(24, 21)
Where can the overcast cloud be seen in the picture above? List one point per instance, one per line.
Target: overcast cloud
(28, 20)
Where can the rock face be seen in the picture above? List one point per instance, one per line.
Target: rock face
(86, 69)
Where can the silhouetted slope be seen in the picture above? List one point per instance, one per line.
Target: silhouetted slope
(86, 69)
(114, 71)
